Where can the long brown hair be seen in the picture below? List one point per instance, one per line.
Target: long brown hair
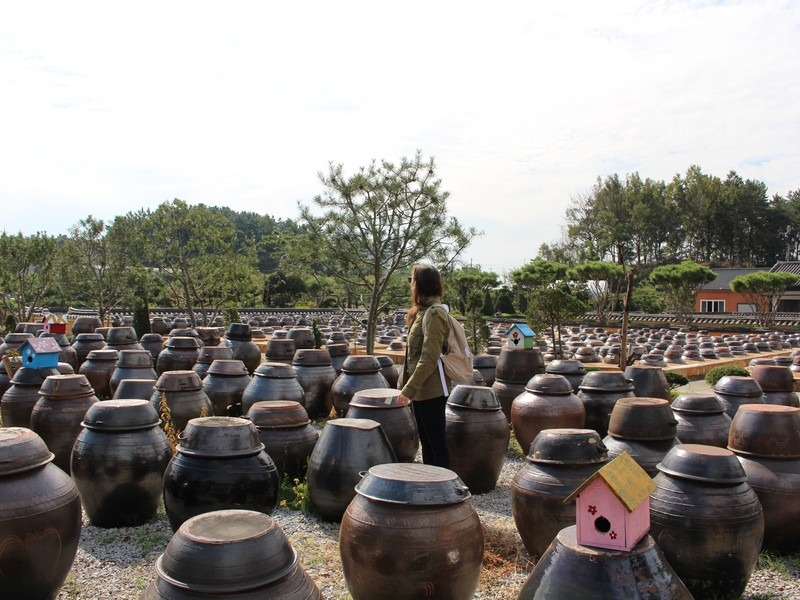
(426, 283)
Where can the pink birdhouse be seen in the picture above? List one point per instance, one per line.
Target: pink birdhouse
(613, 505)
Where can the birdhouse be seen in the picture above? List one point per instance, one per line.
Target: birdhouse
(39, 353)
(613, 505)
(54, 324)
(519, 337)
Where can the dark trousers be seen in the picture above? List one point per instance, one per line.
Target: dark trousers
(431, 425)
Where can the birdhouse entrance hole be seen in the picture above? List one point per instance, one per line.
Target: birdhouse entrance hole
(602, 524)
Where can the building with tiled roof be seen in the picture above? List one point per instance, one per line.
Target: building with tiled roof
(716, 296)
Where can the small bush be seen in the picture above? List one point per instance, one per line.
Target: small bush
(717, 373)
(675, 380)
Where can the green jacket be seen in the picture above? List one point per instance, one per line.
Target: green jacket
(420, 372)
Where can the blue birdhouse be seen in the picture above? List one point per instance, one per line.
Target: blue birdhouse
(39, 353)
(519, 337)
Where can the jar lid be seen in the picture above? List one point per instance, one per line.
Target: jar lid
(736, 385)
(104, 354)
(568, 446)
(697, 403)
(134, 358)
(312, 357)
(63, 387)
(699, 462)
(413, 484)
(226, 551)
(119, 415)
(33, 377)
(121, 336)
(275, 370)
(361, 363)
(566, 367)
(338, 349)
(642, 419)
(21, 450)
(176, 381)
(228, 367)
(209, 354)
(278, 414)
(219, 437)
(606, 381)
(182, 342)
(152, 337)
(239, 332)
(378, 398)
(549, 383)
(89, 337)
(476, 397)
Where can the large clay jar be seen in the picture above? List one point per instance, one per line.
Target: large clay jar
(19, 399)
(389, 370)
(707, 520)
(546, 403)
(132, 364)
(98, 368)
(777, 383)
(477, 436)
(701, 419)
(570, 570)
(648, 381)
(315, 374)
(179, 354)
(733, 391)
(40, 518)
(339, 353)
(86, 324)
(573, 370)
(123, 338)
(153, 343)
(766, 440)
(359, 372)
(159, 326)
(486, 365)
(287, 435)
(244, 349)
(84, 343)
(411, 531)
(514, 369)
(57, 415)
(280, 350)
(272, 381)
(118, 462)
(303, 337)
(385, 406)
(224, 386)
(558, 462)
(207, 355)
(345, 448)
(232, 554)
(645, 428)
(179, 397)
(220, 463)
(599, 392)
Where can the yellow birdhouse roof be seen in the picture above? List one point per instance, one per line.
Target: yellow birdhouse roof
(625, 478)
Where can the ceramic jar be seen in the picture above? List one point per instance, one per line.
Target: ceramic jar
(224, 385)
(272, 381)
(280, 350)
(181, 395)
(235, 554)
(339, 353)
(40, 518)
(123, 338)
(514, 369)
(57, 415)
(777, 383)
(19, 399)
(477, 436)
(573, 370)
(244, 349)
(546, 403)
(207, 355)
(599, 392)
(132, 364)
(486, 365)
(179, 354)
(315, 374)
(118, 462)
(766, 440)
(359, 372)
(395, 416)
(83, 343)
(707, 520)
(287, 435)
(345, 448)
(701, 419)
(153, 343)
(220, 464)
(98, 368)
(645, 428)
(733, 391)
(411, 531)
(648, 381)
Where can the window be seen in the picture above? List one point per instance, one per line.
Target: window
(712, 306)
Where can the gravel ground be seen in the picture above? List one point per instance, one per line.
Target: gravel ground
(118, 563)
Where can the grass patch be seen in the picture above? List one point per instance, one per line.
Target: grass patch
(772, 562)
(503, 554)
(293, 494)
(148, 541)
(514, 449)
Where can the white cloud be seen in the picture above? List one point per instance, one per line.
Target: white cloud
(110, 108)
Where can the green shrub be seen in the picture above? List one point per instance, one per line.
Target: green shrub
(675, 380)
(717, 373)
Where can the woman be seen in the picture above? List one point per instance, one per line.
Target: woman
(425, 383)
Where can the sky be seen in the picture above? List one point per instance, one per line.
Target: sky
(110, 107)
